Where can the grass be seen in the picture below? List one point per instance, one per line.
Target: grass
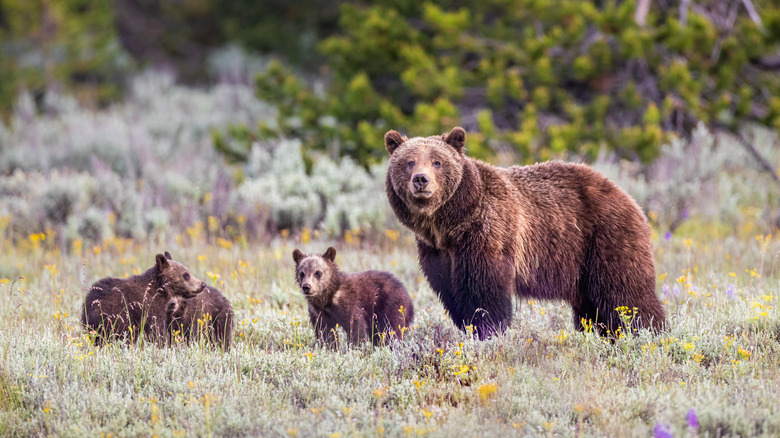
(718, 363)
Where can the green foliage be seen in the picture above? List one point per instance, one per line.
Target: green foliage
(585, 73)
(70, 44)
(291, 29)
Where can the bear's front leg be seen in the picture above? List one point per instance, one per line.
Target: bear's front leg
(324, 328)
(482, 289)
(437, 267)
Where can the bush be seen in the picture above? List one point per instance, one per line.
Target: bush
(148, 167)
(336, 197)
(554, 77)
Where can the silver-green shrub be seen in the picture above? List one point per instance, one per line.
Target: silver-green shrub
(334, 197)
(708, 176)
(137, 167)
(150, 164)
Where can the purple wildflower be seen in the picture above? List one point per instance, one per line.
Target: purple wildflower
(668, 236)
(685, 213)
(665, 289)
(676, 289)
(693, 420)
(730, 291)
(662, 431)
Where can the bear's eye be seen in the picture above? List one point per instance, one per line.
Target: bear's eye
(410, 164)
(437, 164)
(301, 275)
(318, 274)
(186, 276)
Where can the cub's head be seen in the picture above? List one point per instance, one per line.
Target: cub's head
(315, 273)
(425, 171)
(177, 278)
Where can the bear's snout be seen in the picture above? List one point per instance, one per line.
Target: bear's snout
(306, 289)
(420, 181)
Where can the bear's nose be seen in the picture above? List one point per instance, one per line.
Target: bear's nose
(420, 181)
(306, 288)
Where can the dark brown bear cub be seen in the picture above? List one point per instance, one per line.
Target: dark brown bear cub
(125, 307)
(210, 307)
(368, 305)
(547, 231)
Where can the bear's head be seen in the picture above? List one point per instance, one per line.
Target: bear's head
(425, 171)
(315, 274)
(176, 278)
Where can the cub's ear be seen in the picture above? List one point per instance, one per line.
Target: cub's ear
(393, 139)
(330, 254)
(456, 138)
(168, 255)
(162, 262)
(297, 256)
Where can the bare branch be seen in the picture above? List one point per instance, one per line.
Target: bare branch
(752, 13)
(760, 159)
(684, 11)
(769, 62)
(640, 16)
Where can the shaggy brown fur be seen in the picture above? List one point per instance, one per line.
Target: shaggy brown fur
(212, 308)
(125, 307)
(548, 231)
(365, 304)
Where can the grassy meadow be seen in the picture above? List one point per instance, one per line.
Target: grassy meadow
(714, 372)
(86, 194)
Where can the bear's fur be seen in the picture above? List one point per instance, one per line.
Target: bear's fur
(212, 308)
(125, 307)
(548, 231)
(368, 305)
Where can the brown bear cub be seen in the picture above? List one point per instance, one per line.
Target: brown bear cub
(210, 307)
(547, 231)
(368, 305)
(125, 307)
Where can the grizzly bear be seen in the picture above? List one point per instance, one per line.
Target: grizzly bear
(368, 305)
(125, 307)
(547, 231)
(209, 315)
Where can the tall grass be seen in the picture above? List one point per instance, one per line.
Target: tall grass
(719, 360)
(84, 195)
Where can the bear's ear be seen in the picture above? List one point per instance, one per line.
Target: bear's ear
(168, 255)
(330, 254)
(456, 138)
(393, 139)
(162, 262)
(297, 256)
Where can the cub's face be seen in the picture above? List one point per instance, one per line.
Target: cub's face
(425, 171)
(313, 273)
(177, 278)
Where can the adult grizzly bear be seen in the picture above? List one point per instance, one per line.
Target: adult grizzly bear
(125, 307)
(368, 305)
(547, 231)
(210, 307)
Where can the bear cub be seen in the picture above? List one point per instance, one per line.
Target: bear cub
(366, 304)
(212, 308)
(125, 307)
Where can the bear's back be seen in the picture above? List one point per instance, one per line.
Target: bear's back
(210, 301)
(571, 190)
(380, 293)
(111, 295)
(188, 311)
(119, 296)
